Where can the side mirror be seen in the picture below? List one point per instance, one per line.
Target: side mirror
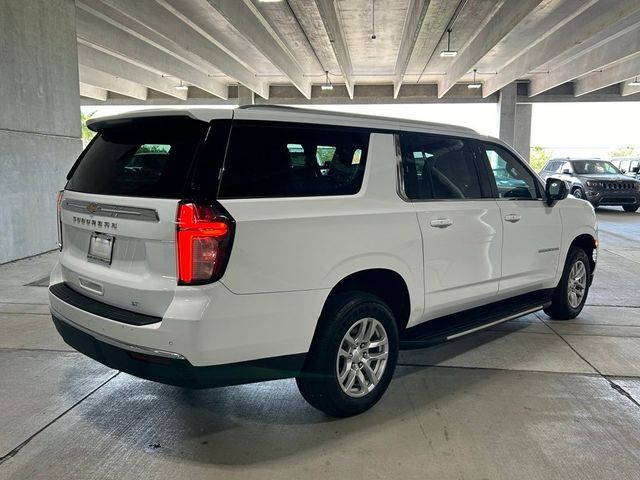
(566, 171)
(555, 190)
(623, 171)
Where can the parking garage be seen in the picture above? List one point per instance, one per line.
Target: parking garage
(554, 399)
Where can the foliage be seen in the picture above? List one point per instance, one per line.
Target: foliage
(149, 148)
(325, 154)
(623, 152)
(539, 157)
(87, 135)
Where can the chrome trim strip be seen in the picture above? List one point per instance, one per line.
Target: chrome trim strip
(502, 320)
(111, 211)
(116, 343)
(547, 250)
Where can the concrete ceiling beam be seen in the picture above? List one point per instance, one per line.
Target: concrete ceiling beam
(592, 42)
(624, 44)
(106, 81)
(505, 19)
(97, 30)
(619, 72)
(329, 14)
(626, 89)
(99, 60)
(110, 14)
(416, 14)
(249, 22)
(588, 21)
(89, 91)
(411, 93)
(179, 34)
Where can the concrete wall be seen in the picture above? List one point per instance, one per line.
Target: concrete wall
(39, 120)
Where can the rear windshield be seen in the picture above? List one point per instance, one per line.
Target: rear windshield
(271, 160)
(140, 158)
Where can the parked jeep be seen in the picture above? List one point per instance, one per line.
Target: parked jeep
(596, 181)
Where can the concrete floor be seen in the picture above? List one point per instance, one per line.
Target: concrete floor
(531, 398)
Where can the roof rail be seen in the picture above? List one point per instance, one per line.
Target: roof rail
(309, 111)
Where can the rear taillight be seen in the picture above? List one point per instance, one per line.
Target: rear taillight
(59, 215)
(203, 243)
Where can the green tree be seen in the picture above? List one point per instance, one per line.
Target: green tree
(148, 148)
(539, 157)
(623, 152)
(87, 135)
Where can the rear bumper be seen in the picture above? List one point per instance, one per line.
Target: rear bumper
(173, 369)
(206, 325)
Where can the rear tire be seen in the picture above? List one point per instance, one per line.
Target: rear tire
(630, 208)
(352, 357)
(571, 293)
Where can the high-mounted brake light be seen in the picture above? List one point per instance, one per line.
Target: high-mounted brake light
(59, 215)
(203, 243)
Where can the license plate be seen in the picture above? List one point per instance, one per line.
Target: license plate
(101, 248)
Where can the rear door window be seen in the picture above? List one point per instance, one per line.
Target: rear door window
(271, 160)
(438, 168)
(140, 158)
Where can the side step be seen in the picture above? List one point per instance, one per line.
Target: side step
(457, 325)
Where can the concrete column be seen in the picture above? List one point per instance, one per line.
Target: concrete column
(39, 120)
(507, 113)
(515, 120)
(245, 96)
(522, 140)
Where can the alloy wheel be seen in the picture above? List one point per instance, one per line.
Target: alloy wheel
(362, 357)
(577, 284)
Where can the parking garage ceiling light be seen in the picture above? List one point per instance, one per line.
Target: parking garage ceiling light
(327, 83)
(475, 84)
(448, 52)
(634, 83)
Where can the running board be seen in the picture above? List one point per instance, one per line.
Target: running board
(453, 326)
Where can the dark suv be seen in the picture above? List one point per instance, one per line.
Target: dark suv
(597, 181)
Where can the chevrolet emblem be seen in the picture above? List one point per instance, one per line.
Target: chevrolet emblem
(92, 208)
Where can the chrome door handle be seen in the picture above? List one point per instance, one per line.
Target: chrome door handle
(513, 217)
(441, 223)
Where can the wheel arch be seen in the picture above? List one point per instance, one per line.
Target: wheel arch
(588, 243)
(384, 283)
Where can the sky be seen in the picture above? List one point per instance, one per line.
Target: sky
(564, 129)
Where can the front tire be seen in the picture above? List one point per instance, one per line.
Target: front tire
(578, 193)
(571, 293)
(353, 355)
(630, 208)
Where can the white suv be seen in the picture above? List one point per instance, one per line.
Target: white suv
(208, 247)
